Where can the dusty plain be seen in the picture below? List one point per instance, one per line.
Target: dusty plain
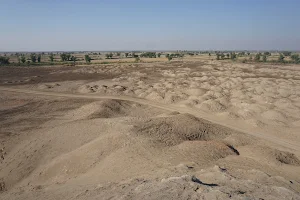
(185, 129)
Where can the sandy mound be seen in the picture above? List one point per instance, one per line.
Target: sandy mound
(268, 154)
(204, 151)
(195, 91)
(100, 109)
(274, 115)
(286, 158)
(211, 105)
(110, 108)
(179, 128)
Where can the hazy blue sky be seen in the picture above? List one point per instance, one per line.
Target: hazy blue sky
(41, 25)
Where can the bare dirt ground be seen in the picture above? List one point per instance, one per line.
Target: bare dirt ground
(168, 130)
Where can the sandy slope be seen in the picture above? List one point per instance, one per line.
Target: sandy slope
(165, 131)
(283, 142)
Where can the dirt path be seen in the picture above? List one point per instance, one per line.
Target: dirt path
(279, 141)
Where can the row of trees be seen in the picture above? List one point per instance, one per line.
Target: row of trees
(148, 55)
(264, 57)
(259, 56)
(33, 58)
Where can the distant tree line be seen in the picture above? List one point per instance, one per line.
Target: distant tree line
(148, 55)
(263, 57)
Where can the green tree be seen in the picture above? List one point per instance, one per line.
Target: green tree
(158, 55)
(51, 57)
(209, 54)
(118, 53)
(281, 58)
(63, 57)
(227, 55)
(126, 54)
(109, 55)
(218, 56)
(233, 56)
(257, 57)
(33, 57)
(74, 59)
(68, 57)
(222, 56)
(4, 60)
(170, 58)
(39, 58)
(287, 53)
(148, 55)
(23, 59)
(264, 58)
(87, 58)
(295, 58)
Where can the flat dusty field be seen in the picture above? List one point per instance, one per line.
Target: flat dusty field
(190, 129)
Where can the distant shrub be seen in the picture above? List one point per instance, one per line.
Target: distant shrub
(257, 57)
(232, 56)
(281, 58)
(241, 54)
(287, 53)
(148, 55)
(222, 56)
(74, 59)
(23, 59)
(137, 59)
(65, 57)
(295, 58)
(33, 57)
(4, 60)
(87, 58)
(264, 58)
(51, 57)
(109, 55)
(39, 58)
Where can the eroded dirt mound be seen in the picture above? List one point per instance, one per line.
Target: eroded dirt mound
(179, 128)
(286, 158)
(203, 151)
(110, 108)
(271, 155)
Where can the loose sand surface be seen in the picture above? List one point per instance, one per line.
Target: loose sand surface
(169, 130)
